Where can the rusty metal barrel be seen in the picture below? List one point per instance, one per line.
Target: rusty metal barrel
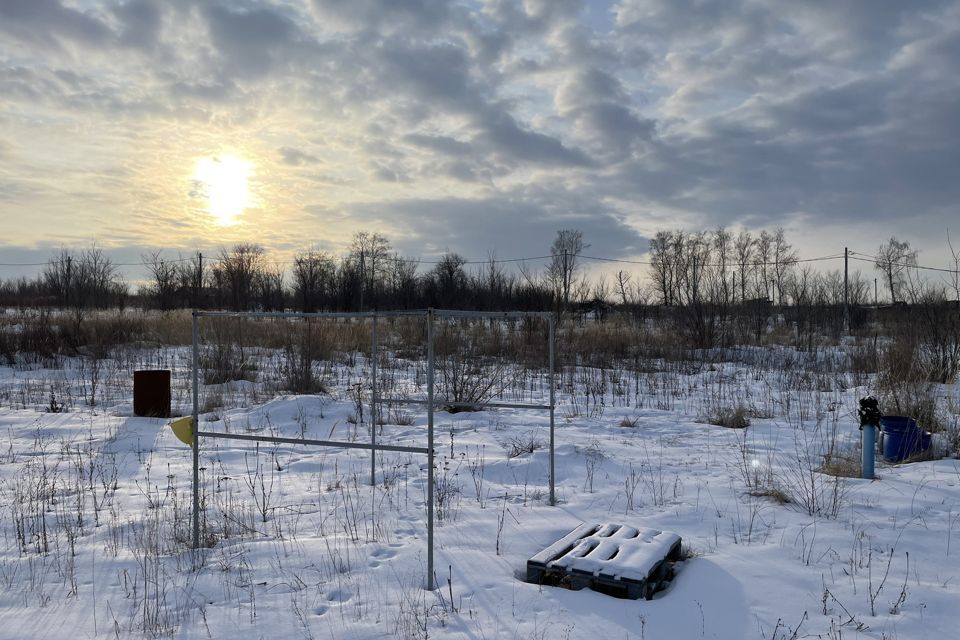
(151, 393)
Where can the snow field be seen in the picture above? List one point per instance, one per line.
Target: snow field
(96, 513)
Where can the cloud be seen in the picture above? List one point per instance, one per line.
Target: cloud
(296, 157)
(512, 226)
(141, 22)
(441, 144)
(503, 135)
(496, 121)
(600, 108)
(251, 42)
(45, 22)
(378, 14)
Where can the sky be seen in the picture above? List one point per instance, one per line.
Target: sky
(480, 126)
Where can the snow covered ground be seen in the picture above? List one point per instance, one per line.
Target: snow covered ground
(96, 513)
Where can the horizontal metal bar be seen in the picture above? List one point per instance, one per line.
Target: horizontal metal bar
(458, 313)
(321, 443)
(280, 314)
(440, 313)
(482, 405)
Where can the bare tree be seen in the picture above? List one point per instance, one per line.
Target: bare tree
(601, 290)
(313, 274)
(696, 268)
(494, 282)
(743, 253)
(566, 248)
(404, 281)
(58, 277)
(370, 254)
(270, 289)
(763, 254)
(953, 279)
(164, 275)
(623, 286)
(662, 266)
(784, 259)
(893, 259)
(449, 278)
(191, 275)
(81, 281)
(238, 271)
(723, 247)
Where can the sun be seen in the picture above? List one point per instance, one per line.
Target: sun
(224, 182)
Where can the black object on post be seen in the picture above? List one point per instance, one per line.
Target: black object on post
(869, 412)
(151, 393)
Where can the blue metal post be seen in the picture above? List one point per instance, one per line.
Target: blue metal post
(869, 442)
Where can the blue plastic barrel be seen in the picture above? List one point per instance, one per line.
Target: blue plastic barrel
(901, 438)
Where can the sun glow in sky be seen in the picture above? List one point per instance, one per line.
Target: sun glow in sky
(474, 127)
(224, 182)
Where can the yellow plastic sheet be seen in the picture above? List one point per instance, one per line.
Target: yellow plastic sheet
(183, 429)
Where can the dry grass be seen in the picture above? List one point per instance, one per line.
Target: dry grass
(841, 466)
(730, 417)
(776, 494)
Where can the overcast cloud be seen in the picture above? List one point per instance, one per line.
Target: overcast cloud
(480, 126)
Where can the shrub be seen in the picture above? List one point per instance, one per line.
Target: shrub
(842, 465)
(224, 363)
(519, 445)
(730, 417)
(904, 387)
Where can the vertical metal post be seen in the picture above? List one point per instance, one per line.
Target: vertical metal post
(195, 428)
(846, 286)
(868, 451)
(374, 404)
(430, 449)
(553, 494)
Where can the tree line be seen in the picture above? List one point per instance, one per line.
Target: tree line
(707, 273)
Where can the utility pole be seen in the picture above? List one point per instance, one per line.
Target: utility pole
(198, 290)
(68, 284)
(876, 299)
(846, 290)
(363, 279)
(566, 279)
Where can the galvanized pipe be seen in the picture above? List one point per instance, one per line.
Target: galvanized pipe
(286, 314)
(373, 403)
(493, 315)
(373, 447)
(430, 365)
(438, 313)
(550, 339)
(195, 428)
(321, 443)
(479, 405)
(868, 451)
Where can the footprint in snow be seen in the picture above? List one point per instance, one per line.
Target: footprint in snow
(340, 595)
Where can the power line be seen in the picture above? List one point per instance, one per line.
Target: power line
(114, 264)
(433, 262)
(907, 265)
(732, 263)
(854, 255)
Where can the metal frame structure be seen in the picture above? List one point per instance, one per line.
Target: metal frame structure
(375, 400)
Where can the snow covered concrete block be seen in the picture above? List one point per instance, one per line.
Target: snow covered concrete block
(616, 559)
